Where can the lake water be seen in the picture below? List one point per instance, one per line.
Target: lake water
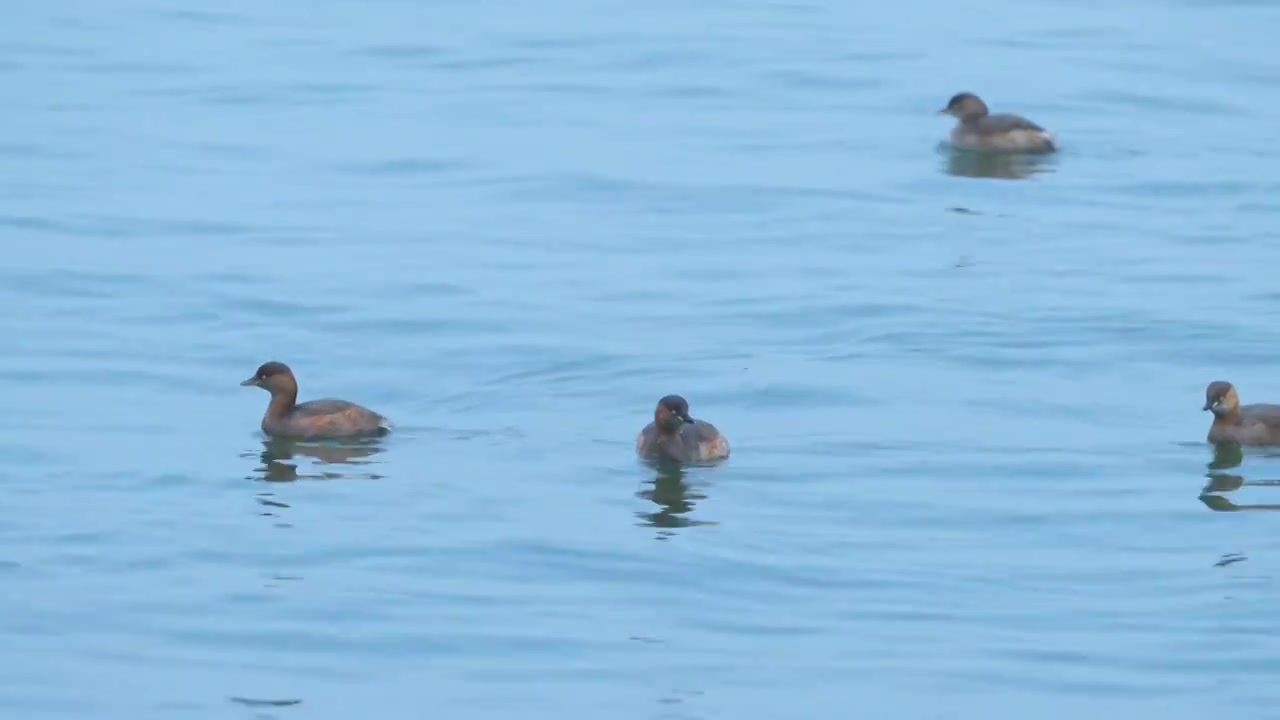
(969, 476)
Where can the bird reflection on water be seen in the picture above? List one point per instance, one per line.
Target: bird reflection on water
(335, 461)
(279, 463)
(1221, 484)
(998, 166)
(675, 499)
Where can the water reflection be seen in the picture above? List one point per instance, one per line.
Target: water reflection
(675, 499)
(1230, 559)
(1226, 457)
(1218, 503)
(279, 462)
(1220, 484)
(263, 702)
(1001, 166)
(271, 508)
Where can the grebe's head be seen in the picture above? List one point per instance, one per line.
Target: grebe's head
(274, 377)
(1220, 397)
(965, 106)
(671, 413)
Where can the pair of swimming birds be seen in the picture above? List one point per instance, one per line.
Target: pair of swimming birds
(672, 435)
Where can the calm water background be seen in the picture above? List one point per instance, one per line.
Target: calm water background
(963, 398)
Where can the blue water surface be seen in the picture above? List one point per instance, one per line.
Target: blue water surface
(969, 476)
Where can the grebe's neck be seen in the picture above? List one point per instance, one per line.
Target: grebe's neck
(282, 403)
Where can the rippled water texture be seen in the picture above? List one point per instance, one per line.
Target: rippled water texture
(969, 476)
